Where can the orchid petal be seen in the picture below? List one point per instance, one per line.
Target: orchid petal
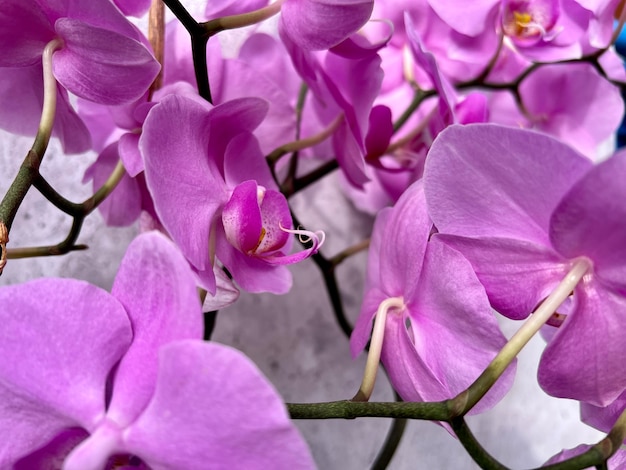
(590, 220)
(574, 103)
(158, 290)
(517, 275)
(59, 340)
(593, 331)
(363, 326)
(123, 206)
(253, 274)
(178, 169)
(241, 217)
(603, 418)
(451, 307)
(101, 65)
(243, 160)
(226, 413)
(489, 180)
(21, 102)
(225, 295)
(380, 131)
(130, 154)
(403, 244)
(52, 455)
(133, 7)
(470, 20)
(322, 24)
(228, 120)
(24, 33)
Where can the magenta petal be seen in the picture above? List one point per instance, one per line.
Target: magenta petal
(158, 290)
(470, 20)
(59, 340)
(322, 24)
(52, 455)
(225, 295)
(489, 180)
(24, 32)
(252, 273)
(591, 220)
(243, 160)
(212, 408)
(130, 154)
(241, 217)
(574, 103)
(584, 361)
(403, 244)
(380, 131)
(187, 190)
(133, 7)
(517, 275)
(603, 418)
(363, 326)
(230, 119)
(451, 308)
(123, 206)
(21, 101)
(101, 65)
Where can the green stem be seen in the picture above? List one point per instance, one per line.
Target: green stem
(468, 398)
(437, 411)
(216, 25)
(29, 170)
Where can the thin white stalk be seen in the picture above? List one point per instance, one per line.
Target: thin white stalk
(512, 348)
(376, 346)
(49, 91)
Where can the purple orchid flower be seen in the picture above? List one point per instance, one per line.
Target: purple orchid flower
(215, 195)
(439, 332)
(574, 103)
(524, 208)
(100, 57)
(344, 81)
(99, 380)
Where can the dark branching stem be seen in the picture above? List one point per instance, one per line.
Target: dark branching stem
(77, 211)
(330, 280)
(26, 175)
(293, 185)
(199, 40)
(473, 447)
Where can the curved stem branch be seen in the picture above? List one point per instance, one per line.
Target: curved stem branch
(216, 25)
(467, 399)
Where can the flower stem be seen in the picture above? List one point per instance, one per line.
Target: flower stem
(29, 170)
(49, 99)
(300, 144)
(376, 346)
(216, 25)
(156, 37)
(468, 398)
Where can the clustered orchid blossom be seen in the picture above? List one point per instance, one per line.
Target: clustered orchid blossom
(125, 376)
(472, 131)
